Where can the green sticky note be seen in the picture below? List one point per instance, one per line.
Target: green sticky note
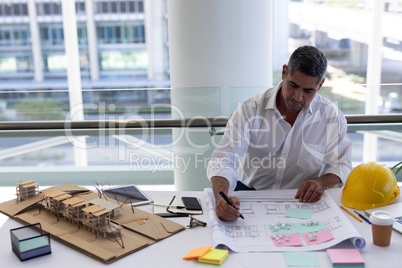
(299, 213)
(301, 259)
(299, 228)
(214, 256)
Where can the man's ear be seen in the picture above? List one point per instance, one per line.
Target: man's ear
(322, 82)
(284, 71)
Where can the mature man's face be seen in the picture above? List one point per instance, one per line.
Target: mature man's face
(298, 89)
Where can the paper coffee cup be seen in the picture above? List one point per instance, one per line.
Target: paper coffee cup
(381, 226)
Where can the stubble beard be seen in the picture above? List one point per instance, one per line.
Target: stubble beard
(294, 105)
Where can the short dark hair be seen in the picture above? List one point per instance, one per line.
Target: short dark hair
(308, 60)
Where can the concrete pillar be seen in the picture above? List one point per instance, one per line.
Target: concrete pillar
(92, 46)
(281, 32)
(155, 34)
(35, 39)
(215, 47)
(374, 64)
(74, 77)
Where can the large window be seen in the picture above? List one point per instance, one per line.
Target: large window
(347, 47)
(124, 69)
(364, 51)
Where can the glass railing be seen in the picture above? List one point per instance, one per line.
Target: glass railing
(143, 151)
(387, 129)
(136, 136)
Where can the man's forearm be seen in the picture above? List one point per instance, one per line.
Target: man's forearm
(219, 184)
(328, 181)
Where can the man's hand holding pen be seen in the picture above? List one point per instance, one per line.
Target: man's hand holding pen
(225, 211)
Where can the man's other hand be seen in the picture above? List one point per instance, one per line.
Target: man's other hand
(310, 191)
(226, 212)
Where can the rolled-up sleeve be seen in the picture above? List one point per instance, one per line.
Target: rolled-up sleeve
(226, 158)
(338, 152)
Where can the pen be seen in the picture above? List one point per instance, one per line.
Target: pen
(228, 201)
(169, 206)
(351, 213)
(364, 218)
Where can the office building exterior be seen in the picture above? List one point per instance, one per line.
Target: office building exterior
(122, 44)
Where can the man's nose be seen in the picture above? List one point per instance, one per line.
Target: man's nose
(298, 95)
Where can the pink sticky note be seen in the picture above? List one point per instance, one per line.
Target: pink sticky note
(294, 241)
(321, 237)
(345, 256)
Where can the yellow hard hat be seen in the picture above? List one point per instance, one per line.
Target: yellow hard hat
(370, 185)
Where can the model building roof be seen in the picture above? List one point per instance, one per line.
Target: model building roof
(104, 203)
(29, 183)
(96, 210)
(75, 202)
(57, 195)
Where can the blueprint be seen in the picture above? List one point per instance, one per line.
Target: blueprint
(262, 210)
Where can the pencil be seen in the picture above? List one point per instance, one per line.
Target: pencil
(350, 213)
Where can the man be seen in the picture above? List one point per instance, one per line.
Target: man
(288, 137)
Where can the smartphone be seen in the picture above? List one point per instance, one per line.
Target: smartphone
(191, 203)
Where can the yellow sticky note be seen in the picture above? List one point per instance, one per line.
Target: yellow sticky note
(214, 256)
(197, 252)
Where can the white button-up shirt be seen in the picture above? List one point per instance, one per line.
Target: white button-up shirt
(269, 153)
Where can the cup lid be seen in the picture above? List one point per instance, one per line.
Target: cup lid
(380, 217)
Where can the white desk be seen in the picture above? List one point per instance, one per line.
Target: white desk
(169, 252)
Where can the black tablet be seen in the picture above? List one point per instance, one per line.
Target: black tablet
(130, 194)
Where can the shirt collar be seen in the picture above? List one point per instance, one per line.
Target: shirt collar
(309, 107)
(271, 104)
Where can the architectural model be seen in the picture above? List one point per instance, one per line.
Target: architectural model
(26, 189)
(94, 215)
(87, 221)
